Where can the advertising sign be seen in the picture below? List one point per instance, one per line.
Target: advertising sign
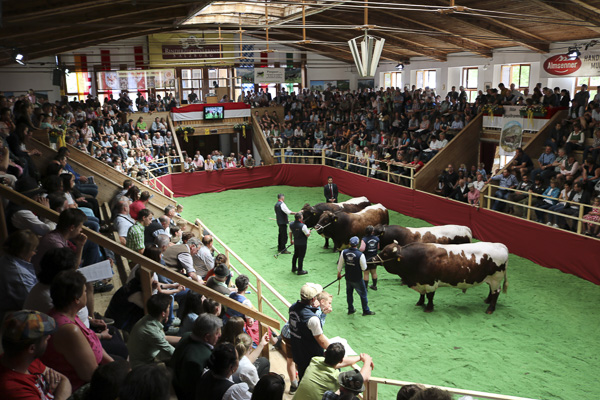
(269, 75)
(199, 49)
(588, 64)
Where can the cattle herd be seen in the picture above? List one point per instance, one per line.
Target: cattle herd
(424, 258)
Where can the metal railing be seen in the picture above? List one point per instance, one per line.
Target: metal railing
(345, 161)
(487, 199)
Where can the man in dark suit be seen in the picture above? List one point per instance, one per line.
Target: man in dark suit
(330, 191)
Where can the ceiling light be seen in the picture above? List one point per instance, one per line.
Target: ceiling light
(366, 57)
(573, 53)
(18, 57)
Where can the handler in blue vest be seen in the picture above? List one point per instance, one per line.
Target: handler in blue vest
(370, 246)
(306, 332)
(299, 234)
(355, 263)
(281, 213)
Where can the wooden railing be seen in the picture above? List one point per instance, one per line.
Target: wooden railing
(261, 143)
(487, 199)
(372, 385)
(343, 160)
(148, 266)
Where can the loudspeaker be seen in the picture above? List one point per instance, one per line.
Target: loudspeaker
(56, 77)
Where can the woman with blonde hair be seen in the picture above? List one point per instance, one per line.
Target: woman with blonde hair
(251, 367)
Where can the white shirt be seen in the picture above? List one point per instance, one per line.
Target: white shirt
(25, 219)
(122, 224)
(247, 372)
(203, 261)
(285, 208)
(239, 391)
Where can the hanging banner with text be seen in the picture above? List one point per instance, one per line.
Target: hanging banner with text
(512, 131)
(269, 75)
(191, 49)
(588, 64)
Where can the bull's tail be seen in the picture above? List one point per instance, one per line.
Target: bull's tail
(505, 284)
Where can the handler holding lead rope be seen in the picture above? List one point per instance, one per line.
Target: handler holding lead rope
(355, 263)
(281, 213)
(299, 234)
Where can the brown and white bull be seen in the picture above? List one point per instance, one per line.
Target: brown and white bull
(426, 266)
(311, 214)
(444, 234)
(340, 227)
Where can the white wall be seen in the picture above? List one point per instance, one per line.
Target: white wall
(18, 78)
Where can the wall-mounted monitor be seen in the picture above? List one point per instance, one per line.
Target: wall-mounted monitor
(214, 112)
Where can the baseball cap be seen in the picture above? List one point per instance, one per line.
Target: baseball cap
(221, 271)
(28, 186)
(352, 380)
(27, 325)
(310, 290)
(354, 241)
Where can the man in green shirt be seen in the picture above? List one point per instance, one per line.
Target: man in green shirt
(147, 342)
(135, 234)
(322, 372)
(192, 353)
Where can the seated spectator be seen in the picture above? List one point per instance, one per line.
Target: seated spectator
(536, 188)
(216, 382)
(251, 366)
(577, 197)
(562, 203)
(217, 282)
(135, 234)
(594, 148)
(147, 342)
(19, 218)
(138, 203)
(323, 372)
(146, 382)
(546, 169)
(570, 168)
(524, 186)
(74, 349)
(473, 195)
(521, 160)
(590, 174)
(506, 182)
(460, 191)
(25, 337)
(269, 386)
(192, 308)
(17, 276)
(159, 226)
(106, 382)
(123, 221)
(351, 384)
(407, 392)
(192, 353)
(575, 140)
(549, 195)
(180, 258)
(593, 216)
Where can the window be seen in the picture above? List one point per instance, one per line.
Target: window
(517, 74)
(191, 79)
(426, 78)
(593, 82)
(469, 82)
(392, 80)
(78, 85)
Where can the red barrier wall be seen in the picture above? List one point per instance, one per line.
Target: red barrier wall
(552, 248)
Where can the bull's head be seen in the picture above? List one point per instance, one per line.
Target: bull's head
(379, 230)
(390, 257)
(327, 218)
(309, 215)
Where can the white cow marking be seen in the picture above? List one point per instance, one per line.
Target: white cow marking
(449, 231)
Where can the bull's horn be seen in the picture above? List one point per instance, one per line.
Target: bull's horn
(395, 241)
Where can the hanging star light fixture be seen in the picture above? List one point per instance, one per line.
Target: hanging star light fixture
(366, 50)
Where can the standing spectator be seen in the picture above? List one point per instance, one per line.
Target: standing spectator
(25, 337)
(330, 191)
(306, 332)
(281, 213)
(147, 342)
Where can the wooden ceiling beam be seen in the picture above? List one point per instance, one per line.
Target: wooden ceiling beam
(574, 8)
(497, 27)
(391, 40)
(45, 10)
(447, 36)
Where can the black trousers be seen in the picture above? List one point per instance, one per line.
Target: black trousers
(299, 253)
(282, 238)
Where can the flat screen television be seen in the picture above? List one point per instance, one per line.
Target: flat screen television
(214, 112)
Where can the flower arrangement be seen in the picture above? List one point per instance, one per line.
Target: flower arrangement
(241, 125)
(188, 130)
(493, 109)
(536, 110)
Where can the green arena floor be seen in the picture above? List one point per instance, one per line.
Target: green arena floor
(542, 341)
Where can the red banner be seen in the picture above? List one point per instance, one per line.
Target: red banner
(549, 247)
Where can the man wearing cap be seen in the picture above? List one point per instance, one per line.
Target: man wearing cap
(25, 337)
(18, 217)
(217, 282)
(299, 234)
(351, 382)
(370, 245)
(355, 263)
(281, 213)
(306, 332)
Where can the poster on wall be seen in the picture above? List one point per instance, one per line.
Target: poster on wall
(512, 131)
(246, 74)
(316, 85)
(198, 49)
(587, 64)
(269, 75)
(343, 86)
(135, 80)
(366, 84)
(293, 75)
